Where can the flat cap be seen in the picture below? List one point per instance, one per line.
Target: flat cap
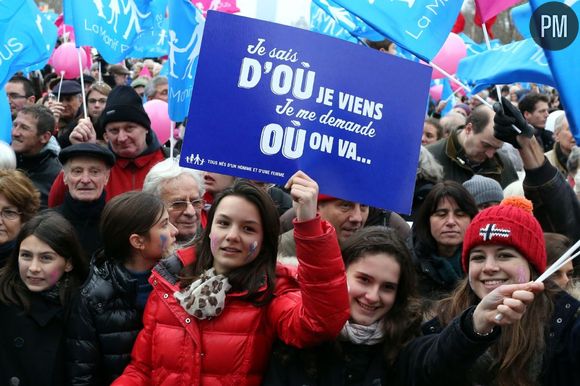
(69, 87)
(87, 150)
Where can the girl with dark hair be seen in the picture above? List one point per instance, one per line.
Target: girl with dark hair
(385, 316)
(37, 284)
(214, 320)
(504, 246)
(104, 324)
(437, 235)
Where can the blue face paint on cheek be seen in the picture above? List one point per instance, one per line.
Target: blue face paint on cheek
(163, 239)
(253, 247)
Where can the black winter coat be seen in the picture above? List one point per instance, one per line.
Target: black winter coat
(436, 359)
(31, 343)
(561, 360)
(42, 169)
(103, 326)
(85, 218)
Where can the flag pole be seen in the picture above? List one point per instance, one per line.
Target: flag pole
(60, 86)
(488, 44)
(459, 83)
(172, 140)
(82, 83)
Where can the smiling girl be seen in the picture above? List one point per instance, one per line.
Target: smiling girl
(503, 248)
(213, 322)
(36, 287)
(104, 324)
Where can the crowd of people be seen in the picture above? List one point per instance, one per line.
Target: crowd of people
(118, 266)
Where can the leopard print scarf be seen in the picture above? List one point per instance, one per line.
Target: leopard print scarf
(205, 297)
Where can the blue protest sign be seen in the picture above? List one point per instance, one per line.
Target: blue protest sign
(111, 29)
(419, 26)
(185, 32)
(521, 61)
(269, 100)
(28, 38)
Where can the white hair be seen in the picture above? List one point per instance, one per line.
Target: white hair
(167, 170)
(7, 156)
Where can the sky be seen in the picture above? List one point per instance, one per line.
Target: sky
(280, 11)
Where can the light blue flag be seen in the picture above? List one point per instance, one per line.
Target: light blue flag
(152, 43)
(521, 18)
(5, 119)
(111, 29)
(185, 32)
(323, 23)
(353, 24)
(419, 26)
(474, 48)
(521, 61)
(27, 38)
(564, 65)
(446, 95)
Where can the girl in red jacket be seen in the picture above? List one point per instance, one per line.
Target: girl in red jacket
(212, 317)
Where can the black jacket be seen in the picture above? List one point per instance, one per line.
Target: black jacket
(85, 218)
(451, 155)
(436, 359)
(103, 326)
(31, 344)
(42, 169)
(561, 359)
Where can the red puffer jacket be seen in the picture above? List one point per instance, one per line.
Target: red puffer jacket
(310, 306)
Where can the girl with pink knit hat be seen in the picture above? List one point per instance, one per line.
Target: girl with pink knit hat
(536, 332)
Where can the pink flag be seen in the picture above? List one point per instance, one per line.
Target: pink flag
(489, 8)
(226, 6)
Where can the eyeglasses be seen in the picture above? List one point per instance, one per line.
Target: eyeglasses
(102, 101)
(182, 205)
(10, 214)
(14, 96)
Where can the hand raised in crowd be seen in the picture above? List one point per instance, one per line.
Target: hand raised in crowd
(507, 118)
(304, 192)
(56, 107)
(504, 305)
(83, 132)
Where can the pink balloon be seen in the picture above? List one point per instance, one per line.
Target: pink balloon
(449, 55)
(435, 92)
(65, 58)
(159, 114)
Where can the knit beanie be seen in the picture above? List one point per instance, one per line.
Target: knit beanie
(484, 189)
(124, 105)
(512, 224)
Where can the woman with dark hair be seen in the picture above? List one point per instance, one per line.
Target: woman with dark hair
(437, 234)
(214, 320)
(504, 247)
(104, 324)
(36, 287)
(385, 316)
(19, 201)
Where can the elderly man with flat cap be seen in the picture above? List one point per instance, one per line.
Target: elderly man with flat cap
(66, 109)
(127, 130)
(87, 167)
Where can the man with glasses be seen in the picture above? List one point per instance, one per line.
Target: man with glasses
(182, 190)
(20, 94)
(127, 130)
(86, 169)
